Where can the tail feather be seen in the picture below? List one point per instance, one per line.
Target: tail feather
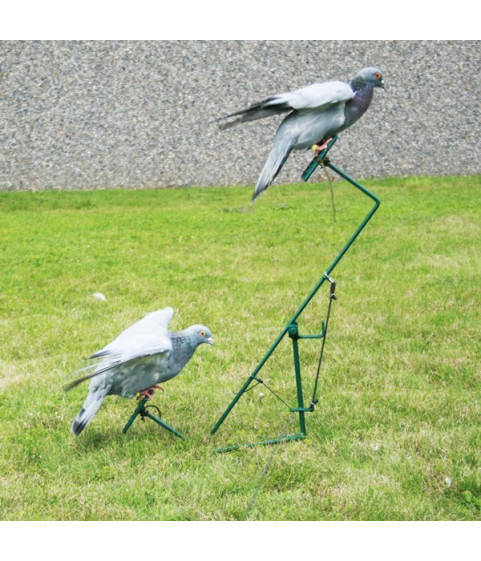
(276, 159)
(90, 407)
(265, 108)
(250, 115)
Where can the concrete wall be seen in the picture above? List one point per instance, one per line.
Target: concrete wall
(139, 114)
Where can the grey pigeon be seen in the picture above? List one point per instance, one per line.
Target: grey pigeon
(141, 357)
(317, 113)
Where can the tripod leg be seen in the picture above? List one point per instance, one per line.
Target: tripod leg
(142, 410)
(137, 411)
(162, 424)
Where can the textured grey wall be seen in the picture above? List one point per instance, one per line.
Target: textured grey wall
(139, 114)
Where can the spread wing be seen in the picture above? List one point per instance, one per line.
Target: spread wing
(315, 96)
(149, 336)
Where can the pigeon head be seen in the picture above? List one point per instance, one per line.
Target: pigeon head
(370, 76)
(199, 334)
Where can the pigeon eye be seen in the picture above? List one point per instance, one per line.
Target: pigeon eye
(377, 75)
(202, 333)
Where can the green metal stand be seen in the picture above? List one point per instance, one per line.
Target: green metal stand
(141, 410)
(291, 329)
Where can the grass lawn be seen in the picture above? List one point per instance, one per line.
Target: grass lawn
(396, 433)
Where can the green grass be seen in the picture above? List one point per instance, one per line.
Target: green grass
(399, 400)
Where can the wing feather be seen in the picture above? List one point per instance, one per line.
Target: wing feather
(307, 98)
(150, 331)
(314, 96)
(149, 336)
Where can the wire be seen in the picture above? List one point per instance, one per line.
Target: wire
(332, 296)
(264, 473)
(330, 189)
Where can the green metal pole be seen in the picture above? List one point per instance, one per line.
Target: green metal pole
(360, 228)
(137, 411)
(162, 424)
(294, 335)
(234, 401)
(307, 173)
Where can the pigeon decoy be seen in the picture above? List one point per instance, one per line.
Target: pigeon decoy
(141, 357)
(318, 112)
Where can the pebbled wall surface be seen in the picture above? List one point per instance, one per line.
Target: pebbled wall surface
(133, 114)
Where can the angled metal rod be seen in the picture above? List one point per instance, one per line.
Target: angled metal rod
(142, 410)
(307, 173)
(138, 409)
(286, 438)
(162, 424)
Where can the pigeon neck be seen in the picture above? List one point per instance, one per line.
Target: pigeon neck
(357, 84)
(183, 347)
(358, 105)
(364, 95)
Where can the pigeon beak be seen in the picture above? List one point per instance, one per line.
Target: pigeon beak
(210, 341)
(382, 85)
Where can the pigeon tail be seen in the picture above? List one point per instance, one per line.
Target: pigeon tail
(251, 115)
(278, 156)
(89, 408)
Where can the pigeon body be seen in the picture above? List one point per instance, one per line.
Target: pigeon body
(142, 356)
(317, 112)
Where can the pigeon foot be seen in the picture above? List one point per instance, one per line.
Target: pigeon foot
(319, 148)
(148, 393)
